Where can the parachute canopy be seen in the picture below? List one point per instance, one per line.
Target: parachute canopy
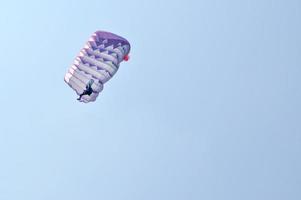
(98, 61)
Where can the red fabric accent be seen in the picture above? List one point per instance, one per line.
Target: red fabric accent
(126, 58)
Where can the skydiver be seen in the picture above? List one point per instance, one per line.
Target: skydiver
(88, 90)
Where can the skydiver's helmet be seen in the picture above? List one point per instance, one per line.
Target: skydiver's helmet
(91, 81)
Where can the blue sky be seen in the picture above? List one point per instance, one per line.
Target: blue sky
(208, 107)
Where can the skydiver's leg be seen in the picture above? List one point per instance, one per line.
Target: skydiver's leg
(85, 92)
(80, 97)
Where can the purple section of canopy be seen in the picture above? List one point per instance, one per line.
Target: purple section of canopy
(112, 38)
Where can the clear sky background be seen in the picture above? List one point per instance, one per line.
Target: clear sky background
(208, 107)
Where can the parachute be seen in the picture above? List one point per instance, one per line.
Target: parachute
(96, 63)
